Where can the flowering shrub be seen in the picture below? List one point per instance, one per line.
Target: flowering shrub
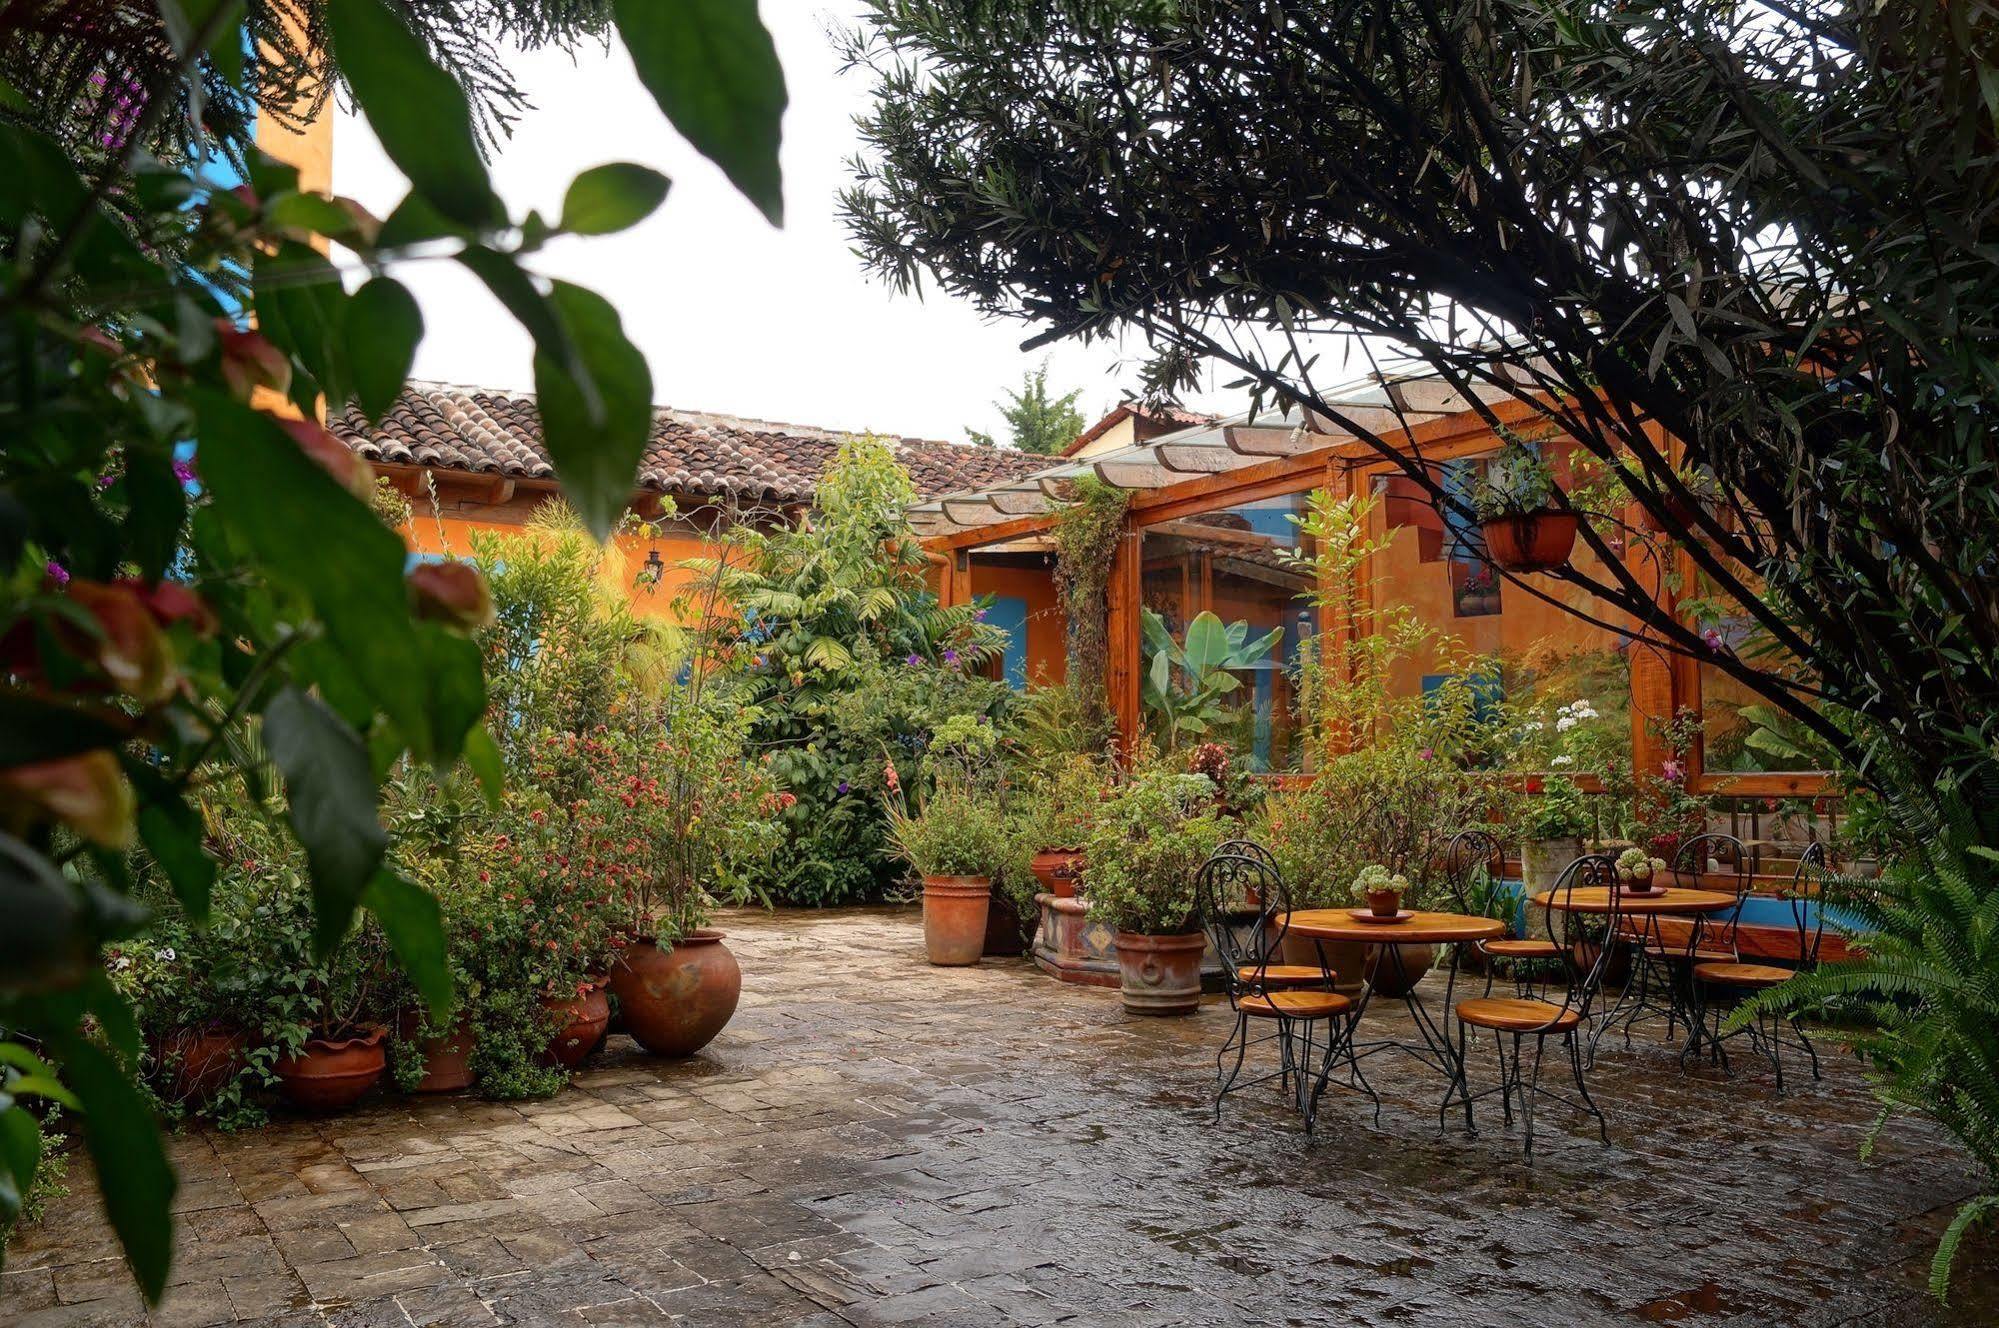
(1147, 844)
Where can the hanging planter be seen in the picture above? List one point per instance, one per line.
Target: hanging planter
(1530, 541)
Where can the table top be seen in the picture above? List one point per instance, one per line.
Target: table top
(1676, 900)
(1336, 924)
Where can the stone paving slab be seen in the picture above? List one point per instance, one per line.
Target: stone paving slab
(874, 1142)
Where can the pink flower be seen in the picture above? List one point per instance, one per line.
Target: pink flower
(894, 781)
(1672, 772)
(1712, 639)
(1426, 754)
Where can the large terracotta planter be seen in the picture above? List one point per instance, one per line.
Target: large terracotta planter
(675, 1001)
(1348, 959)
(447, 1058)
(327, 1075)
(954, 918)
(585, 1017)
(203, 1060)
(1530, 541)
(1389, 977)
(1160, 975)
(1003, 938)
(1057, 869)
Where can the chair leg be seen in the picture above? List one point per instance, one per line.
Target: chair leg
(1776, 1048)
(1508, 1075)
(1241, 1040)
(1805, 1041)
(1533, 1087)
(1582, 1087)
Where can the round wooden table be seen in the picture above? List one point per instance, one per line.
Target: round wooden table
(1437, 1049)
(1633, 1002)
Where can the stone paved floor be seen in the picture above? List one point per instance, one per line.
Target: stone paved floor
(874, 1141)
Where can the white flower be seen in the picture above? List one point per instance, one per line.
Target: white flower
(121, 963)
(1563, 760)
(1564, 724)
(1536, 726)
(165, 955)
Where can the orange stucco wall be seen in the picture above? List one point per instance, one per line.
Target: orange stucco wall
(1046, 663)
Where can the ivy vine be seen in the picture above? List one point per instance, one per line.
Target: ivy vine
(1086, 538)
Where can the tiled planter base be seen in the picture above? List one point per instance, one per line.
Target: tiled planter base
(1070, 947)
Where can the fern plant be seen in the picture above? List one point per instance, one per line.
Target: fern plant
(1923, 972)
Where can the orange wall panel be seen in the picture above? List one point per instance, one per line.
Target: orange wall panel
(1046, 660)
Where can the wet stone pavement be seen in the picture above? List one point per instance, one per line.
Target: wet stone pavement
(874, 1141)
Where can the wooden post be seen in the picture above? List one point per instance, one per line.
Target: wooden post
(1121, 604)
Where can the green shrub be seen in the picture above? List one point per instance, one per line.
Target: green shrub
(1145, 848)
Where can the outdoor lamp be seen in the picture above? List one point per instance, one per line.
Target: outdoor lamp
(653, 571)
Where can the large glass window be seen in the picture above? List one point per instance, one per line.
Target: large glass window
(1223, 628)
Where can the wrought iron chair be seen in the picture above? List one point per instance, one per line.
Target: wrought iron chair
(1585, 942)
(1470, 853)
(1243, 904)
(1719, 985)
(1667, 966)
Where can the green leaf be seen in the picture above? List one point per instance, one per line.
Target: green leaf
(381, 329)
(156, 508)
(1207, 644)
(415, 927)
(330, 801)
(416, 109)
(611, 198)
(172, 833)
(596, 453)
(711, 67)
(45, 939)
(483, 755)
(20, 1145)
(137, 1183)
(33, 729)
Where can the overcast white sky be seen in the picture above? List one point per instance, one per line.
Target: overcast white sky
(732, 314)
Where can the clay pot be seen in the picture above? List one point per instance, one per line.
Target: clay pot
(1160, 975)
(1530, 541)
(328, 1074)
(1003, 939)
(676, 1000)
(447, 1058)
(204, 1060)
(1384, 903)
(1389, 978)
(954, 918)
(585, 1017)
(1347, 959)
(1057, 869)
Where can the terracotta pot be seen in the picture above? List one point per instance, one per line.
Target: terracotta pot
(1388, 978)
(1056, 869)
(1003, 939)
(954, 918)
(1531, 541)
(1347, 959)
(676, 1000)
(1160, 975)
(447, 1058)
(203, 1060)
(327, 1075)
(1384, 903)
(585, 1019)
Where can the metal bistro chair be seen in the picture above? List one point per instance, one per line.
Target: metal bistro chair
(1710, 939)
(1586, 942)
(1470, 853)
(1243, 904)
(1718, 985)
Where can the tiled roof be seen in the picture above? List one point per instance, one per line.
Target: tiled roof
(1152, 420)
(471, 430)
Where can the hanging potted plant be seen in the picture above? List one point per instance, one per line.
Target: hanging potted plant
(1150, 839)
(1523, 527)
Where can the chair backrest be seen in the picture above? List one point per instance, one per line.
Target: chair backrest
(1585, 938)
(1240, 897)
(1468, 852)
(1808, 903)
(1714, 861)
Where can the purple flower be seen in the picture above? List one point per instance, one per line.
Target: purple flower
(843, 786)
(1672, 772)
(58, 574)
(978, 615)
(106, 481)
(1712, 638)
(1427, 753)
(913, 660)
(950, 657)
(184, 470)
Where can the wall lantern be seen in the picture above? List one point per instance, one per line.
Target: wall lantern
(652, 572)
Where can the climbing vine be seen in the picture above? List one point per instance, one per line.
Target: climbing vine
(1086, 537)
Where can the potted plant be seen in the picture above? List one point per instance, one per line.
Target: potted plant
(956, 841)
(1149, 841)
(1381, 889)
(325, 1018)
(1638, 870)
(680, 819)
(1551, 818)
(1521, 523)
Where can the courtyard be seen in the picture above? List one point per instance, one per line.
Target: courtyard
(876, 1141)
